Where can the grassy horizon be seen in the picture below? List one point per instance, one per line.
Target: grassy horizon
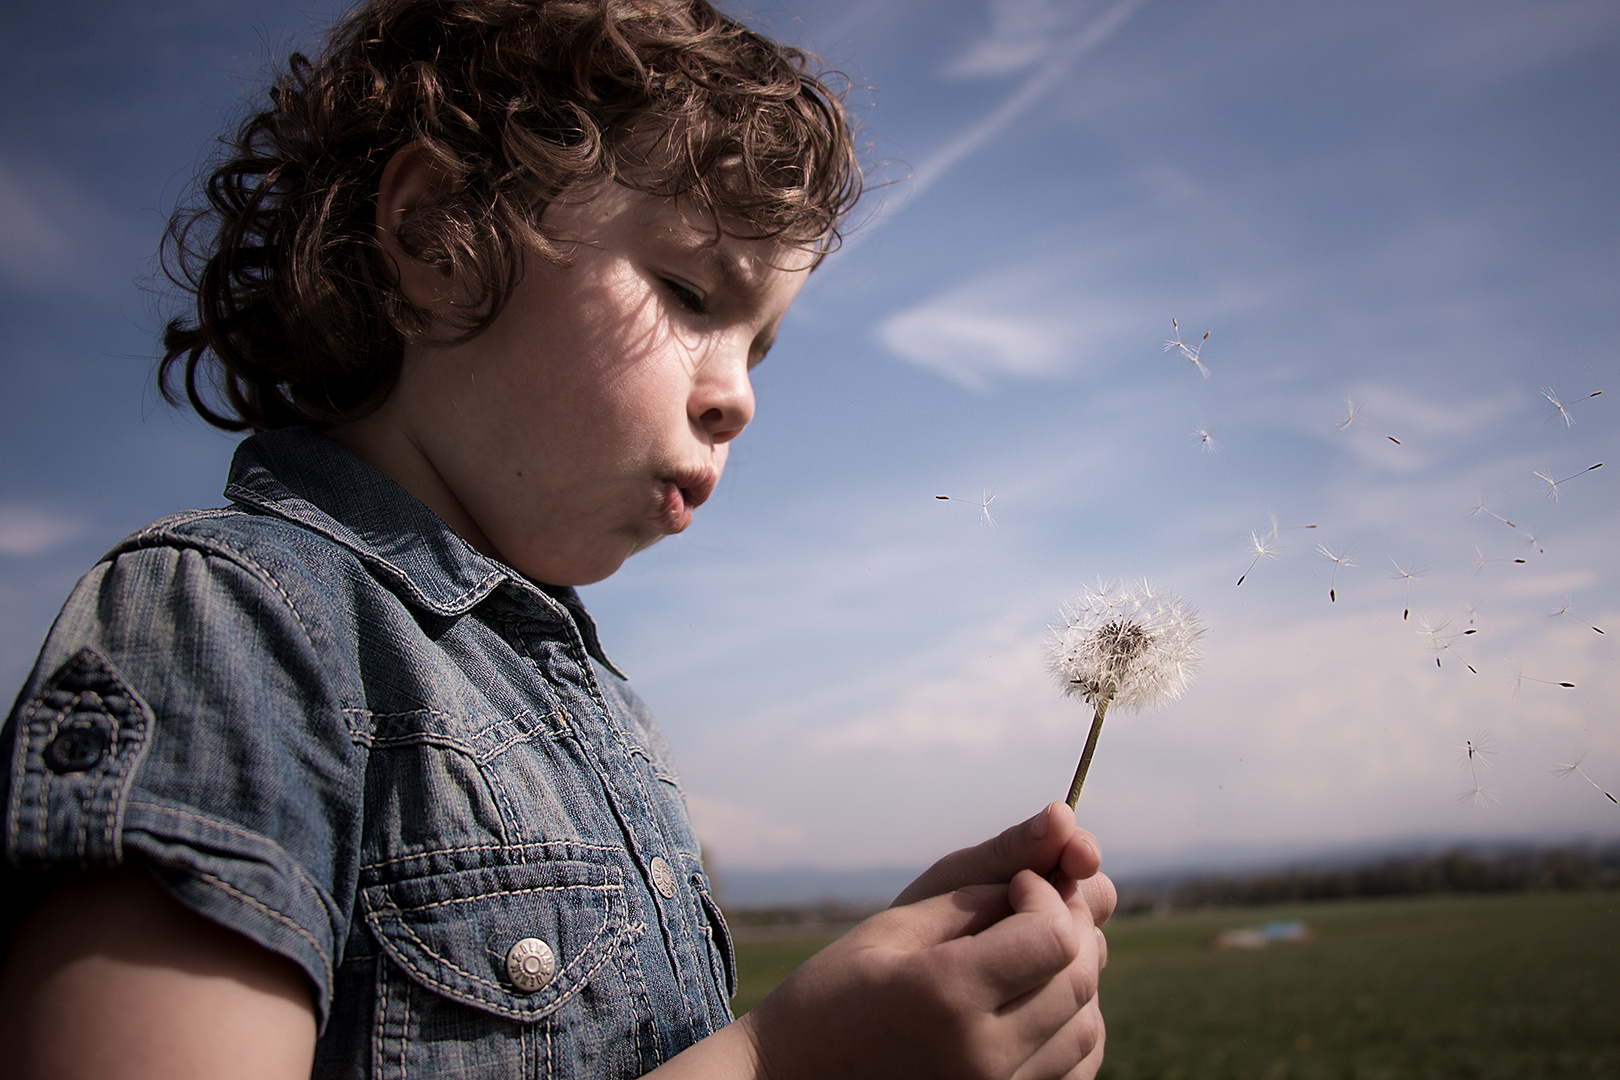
(1477, 986)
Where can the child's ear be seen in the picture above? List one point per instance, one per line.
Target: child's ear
(411, 181)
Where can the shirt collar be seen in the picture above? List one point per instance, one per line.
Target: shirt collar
(300, 475)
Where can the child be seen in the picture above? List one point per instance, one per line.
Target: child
(337, 780)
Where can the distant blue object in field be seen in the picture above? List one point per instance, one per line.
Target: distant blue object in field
(1258, 937)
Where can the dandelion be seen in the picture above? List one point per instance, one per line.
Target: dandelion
(1263, 549)
(1190, 353)
(1483, 509)
(1410, 575)
(983, 505)
(1565, 611)
(1338, 561)
(1518, 678)
(1122, 646)
(1354, 418)
(1534, 541)
(1563, 409)
(1552, 485)
(1483, 559)
(1563, 769)
(1479, 796)
(1206, 441)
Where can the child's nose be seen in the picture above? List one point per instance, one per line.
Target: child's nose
(723, 397)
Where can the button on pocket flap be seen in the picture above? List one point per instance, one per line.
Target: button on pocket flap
(516, 940)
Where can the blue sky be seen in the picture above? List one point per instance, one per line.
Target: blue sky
(1410, 205)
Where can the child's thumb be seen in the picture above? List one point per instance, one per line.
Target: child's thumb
(937, 919)
(1049, 840)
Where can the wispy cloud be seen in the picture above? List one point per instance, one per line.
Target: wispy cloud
(56, 235)
(1056, 61)
(29, 530)
(1031, 322)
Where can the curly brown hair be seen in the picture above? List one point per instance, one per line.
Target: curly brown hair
(518, 101)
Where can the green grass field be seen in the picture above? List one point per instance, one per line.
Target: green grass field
(1524, 986)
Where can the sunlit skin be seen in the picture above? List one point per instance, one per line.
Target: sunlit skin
(594, 415)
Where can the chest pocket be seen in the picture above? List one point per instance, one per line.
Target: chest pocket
(547, 945)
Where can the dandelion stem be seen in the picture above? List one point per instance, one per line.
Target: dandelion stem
(1085, 757)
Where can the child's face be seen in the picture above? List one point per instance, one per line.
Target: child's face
(594, 415)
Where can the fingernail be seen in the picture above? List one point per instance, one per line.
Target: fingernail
(1040, 823)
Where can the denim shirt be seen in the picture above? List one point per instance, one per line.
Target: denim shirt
(323, 720)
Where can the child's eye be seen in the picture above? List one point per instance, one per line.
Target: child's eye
(685, 297)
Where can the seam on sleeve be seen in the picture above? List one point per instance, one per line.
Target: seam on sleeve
(265, 909)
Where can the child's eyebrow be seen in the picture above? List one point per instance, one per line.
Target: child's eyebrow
(731, 268)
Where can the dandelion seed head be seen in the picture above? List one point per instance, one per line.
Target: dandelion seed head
(1133, 647)
(1351, 409)
(1564, 768)
(1327, 553)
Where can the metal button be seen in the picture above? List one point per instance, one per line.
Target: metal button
(76, 748)
(663, 877)
(530, 964)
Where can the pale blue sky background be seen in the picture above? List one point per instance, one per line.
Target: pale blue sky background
(1410, 204)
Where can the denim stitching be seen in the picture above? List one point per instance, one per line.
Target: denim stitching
(454, 994)
(380, 1021)
(404, 924)
(232, 890)
(542, 846)
(235, 830)
(404, 1031)
(607, 887)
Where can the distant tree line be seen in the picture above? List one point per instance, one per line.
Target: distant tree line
(1459, 870)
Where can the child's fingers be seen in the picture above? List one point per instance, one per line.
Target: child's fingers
(1025, 951)
(1074, 1052)
(1046, 841)
(1100, 896)
(935, 920)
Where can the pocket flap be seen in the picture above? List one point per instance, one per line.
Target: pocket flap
(453, 932)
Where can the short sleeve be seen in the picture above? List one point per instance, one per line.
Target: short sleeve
(188, 708)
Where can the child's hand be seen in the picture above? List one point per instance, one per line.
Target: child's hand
(1046, 842)
(984, 982)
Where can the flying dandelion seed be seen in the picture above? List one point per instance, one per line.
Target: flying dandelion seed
(1354, 418)
(1442, 642)
(1534, 541)
(1484, 559)
(1276, 528)
(1565, 611)
(1191, 353)
(1338, 561)
(1263, 549)
(982, 504)
(1552, 485)
(1519, 678)
(1483, 509)
(1476, 753)
(1119, 645)
(1563, 409)
(1563, 769)
(1206, 441)
(1410, 576)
